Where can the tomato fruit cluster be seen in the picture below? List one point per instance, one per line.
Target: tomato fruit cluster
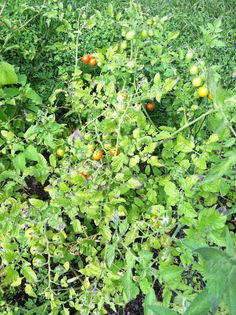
(89, 59)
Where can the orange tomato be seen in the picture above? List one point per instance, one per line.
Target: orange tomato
(92, 62)
(97, 155)
(85, 176)
(113, 151)
(150, 107)
(86, 59)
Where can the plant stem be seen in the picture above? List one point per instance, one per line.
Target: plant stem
(210, 111)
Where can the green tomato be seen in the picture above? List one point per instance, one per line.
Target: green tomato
(197, 81)
(59, 252)
(36, 249)
(123, 33)
(150, 33)
(149, 21)
(144, 34)
(32, 233)
(60, 152)
(59, 237)
(90, 147)
(123, 45)
(130, 35)
(194, 70)
(189, 56)
(39, 261)
(88, 136)
(107, 146)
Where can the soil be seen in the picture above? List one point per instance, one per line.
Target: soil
(134, 307)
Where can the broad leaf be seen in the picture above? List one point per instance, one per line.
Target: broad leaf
(200, 304)
(149, 300)
(160, 310)
(7, 74)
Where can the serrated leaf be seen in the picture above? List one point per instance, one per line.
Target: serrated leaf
(169, 84)
(162, 135)
(131, 290)
(29, 290)
(29, 273)
(32, 95)
(110, 10)
(67, 265)
(37, 203)
(90, 23)
(230, 249)
(31, 153)
(212, 254)
(149, 300)
(134, 183)
(7, 74)
(200, 304)
(160, 310)
(110, 255)
(19, 162)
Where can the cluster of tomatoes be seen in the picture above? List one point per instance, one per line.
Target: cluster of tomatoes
(96, 156)
(198, 82)
(90, 60)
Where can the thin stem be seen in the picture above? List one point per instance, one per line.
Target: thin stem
(210, 111)
(3, 6)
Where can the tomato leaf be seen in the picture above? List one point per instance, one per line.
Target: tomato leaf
(29, 273)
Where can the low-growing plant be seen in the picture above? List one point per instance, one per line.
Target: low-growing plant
(103, 197)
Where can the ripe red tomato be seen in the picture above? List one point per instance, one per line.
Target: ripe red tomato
(150, 107)
(113, 151)
(97, 155)
(86, 59)
(92, 62)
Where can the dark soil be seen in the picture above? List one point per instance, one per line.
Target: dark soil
(134, 307)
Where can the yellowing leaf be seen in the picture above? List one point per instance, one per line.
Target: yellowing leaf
(29, 290)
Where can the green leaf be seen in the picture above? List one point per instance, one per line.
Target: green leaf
(29, 273)
(230, 249)
(200, 304)
(7, 74)
(110, 255)
(29, 290)
(32, 95)
(37, 203)
(162, 135)
(183, 145)
(31, 153)
(7, 135)
(169, 84)
(130, 259)
(231, 293)
(131, 290)
(134, 183)
(110, 10)
(90, 23)
(212, 254)
(19, 162)
(11, 275)
(160, 310)
(149, 300)
(170, 274)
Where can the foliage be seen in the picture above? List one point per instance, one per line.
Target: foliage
(83, 233)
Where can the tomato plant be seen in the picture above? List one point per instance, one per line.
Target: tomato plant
(140, 194)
